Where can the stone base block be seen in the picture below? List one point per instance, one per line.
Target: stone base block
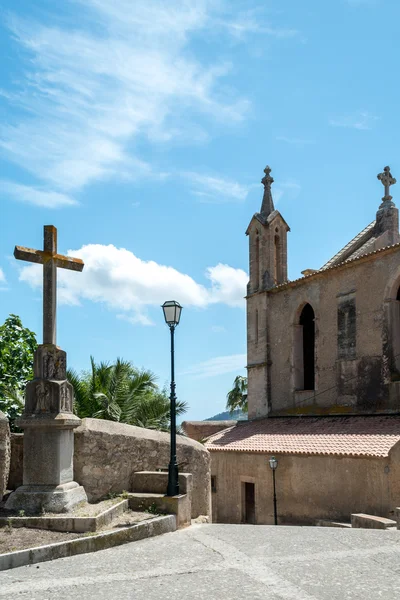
(371, 521)
(176, 505)
(34, 499)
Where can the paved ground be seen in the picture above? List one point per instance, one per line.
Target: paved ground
(207, 562)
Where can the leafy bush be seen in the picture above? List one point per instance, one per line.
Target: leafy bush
(17, 347)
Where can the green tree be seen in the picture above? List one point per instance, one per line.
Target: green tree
(237, 397)
(17, 347)
(121, 392)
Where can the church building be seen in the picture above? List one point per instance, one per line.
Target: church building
(323, 361)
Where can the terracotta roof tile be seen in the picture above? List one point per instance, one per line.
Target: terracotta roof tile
(342, 436)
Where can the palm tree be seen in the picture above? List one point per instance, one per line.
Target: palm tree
(121, 392)
(237, 397)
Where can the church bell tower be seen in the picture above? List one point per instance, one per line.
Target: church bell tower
(267, 233)
(267, 243)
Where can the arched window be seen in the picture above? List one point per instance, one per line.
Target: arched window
(307, 331)
(278, 260)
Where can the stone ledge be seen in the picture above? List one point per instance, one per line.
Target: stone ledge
(102, 541)
(176, 505)
(69, 524)
(361, 520)
(157, 482)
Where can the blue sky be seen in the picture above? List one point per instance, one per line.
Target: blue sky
(141, 131)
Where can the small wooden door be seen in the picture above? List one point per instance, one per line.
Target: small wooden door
(249, 503)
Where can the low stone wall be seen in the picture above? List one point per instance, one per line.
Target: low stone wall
(107, 454)
(5, 453)
(17, 459)
(200, 430)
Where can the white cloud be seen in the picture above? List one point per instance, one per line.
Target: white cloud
(38, 197)
(129, 285)
(216, 189)
(125, 72)
(2, 276)
(362, 120)
(218, 366)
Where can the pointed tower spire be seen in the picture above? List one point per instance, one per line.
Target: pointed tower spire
(267, 206)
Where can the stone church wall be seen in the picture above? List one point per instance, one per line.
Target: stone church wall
(308, 488)
(355, 340)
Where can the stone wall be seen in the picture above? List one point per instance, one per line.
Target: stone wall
(199, 430)
(307, 487)
(107, 454)
(5, 453)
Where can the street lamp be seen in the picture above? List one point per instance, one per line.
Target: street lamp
(273, 463)
(172, 314)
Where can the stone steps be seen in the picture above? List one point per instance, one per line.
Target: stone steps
(364, 521)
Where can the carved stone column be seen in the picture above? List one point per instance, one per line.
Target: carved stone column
(48, 423)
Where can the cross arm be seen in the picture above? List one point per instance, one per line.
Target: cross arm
(28, 254)
(67, 262)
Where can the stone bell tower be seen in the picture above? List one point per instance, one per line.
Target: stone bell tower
(267, 243)
(267, 233)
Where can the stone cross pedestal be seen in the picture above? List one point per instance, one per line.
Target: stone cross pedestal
(48, 420)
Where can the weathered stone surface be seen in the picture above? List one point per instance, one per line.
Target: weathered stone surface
(45, 396)
(156, 482)
(175, 505)
(37, 498)
(371, 521)
(17, 461)
(107, 454)
(50, 362)
(5, 453)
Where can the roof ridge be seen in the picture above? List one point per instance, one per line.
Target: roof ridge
(357, 241)
(336, 266)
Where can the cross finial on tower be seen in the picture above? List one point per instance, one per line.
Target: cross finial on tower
(387, 180)
(267, 206)
(267, 179)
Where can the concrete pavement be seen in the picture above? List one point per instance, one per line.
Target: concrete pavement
(207, 562)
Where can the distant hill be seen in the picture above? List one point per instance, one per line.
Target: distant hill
(236, 415)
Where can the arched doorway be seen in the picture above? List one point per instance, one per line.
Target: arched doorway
(307, 323)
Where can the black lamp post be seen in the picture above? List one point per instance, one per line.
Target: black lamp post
(172, 314)
(273, 463)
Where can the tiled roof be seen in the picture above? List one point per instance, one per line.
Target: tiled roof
(340, 436)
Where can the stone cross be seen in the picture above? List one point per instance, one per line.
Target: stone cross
(50, 260)
(387, 180)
